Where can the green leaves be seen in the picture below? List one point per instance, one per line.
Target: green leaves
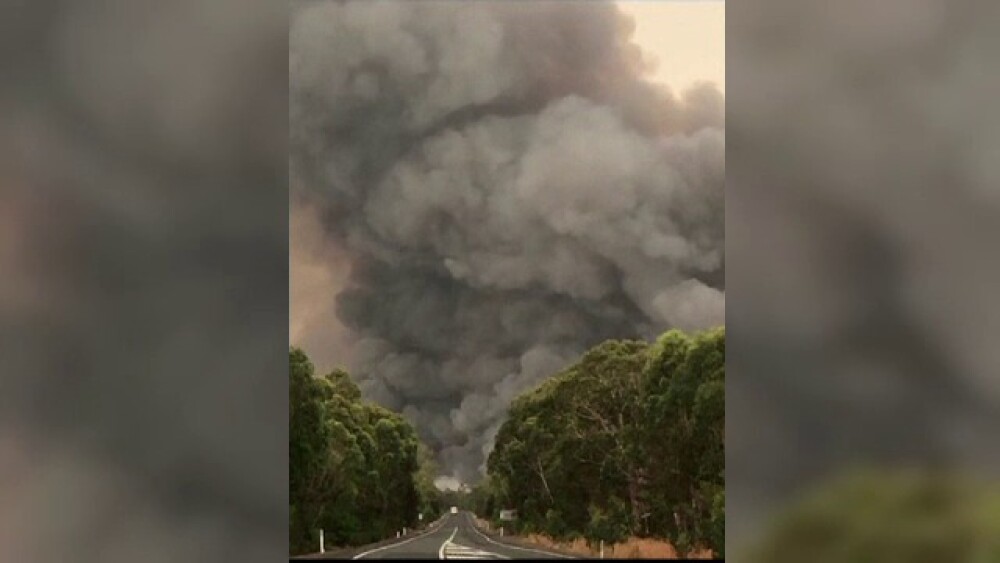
(308, 444)
(684, 406)
(354, 467)
(610, 524)
(628, 441)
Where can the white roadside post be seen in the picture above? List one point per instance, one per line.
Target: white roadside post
(322, 546)
(602, 549)
(508, 515)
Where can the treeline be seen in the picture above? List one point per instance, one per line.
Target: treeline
(356, 470)
(629, 441)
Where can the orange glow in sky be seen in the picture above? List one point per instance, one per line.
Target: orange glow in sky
(686, 38)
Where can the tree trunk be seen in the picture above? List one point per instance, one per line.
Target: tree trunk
(633, 497)
(636, 483)
(545, 483)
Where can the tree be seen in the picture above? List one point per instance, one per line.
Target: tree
(627, 441)
(564, 451)
(430, 498)
(684, 430)
(307, 446)
(355, 469)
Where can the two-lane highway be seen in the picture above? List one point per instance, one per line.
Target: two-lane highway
(454, 536)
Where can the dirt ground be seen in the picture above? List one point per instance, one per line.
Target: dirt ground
(633, 548)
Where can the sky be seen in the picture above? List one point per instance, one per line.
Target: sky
(686, 38)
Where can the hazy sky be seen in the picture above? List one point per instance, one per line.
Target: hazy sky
(687, 38)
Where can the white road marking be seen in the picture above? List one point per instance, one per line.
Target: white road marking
(485, 537)
(397, 544)
(446, 542)
(457, 551)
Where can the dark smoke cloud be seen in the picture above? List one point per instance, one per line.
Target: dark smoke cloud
(508, 189)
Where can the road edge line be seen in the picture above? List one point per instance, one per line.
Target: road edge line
(487, 538)
(397, 544)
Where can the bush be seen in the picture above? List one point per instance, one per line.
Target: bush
(554, 525)
(611, 526)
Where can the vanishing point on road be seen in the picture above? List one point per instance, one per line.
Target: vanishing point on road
(454, 536)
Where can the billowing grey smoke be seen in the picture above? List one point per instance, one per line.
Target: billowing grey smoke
(507, 189)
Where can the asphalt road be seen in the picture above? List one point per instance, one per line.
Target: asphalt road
(454, 536)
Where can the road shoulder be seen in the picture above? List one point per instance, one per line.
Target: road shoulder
(362, 550)
(520, 544)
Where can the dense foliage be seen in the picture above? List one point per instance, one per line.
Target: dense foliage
(356, 470)
(888, 517)
(629, 441)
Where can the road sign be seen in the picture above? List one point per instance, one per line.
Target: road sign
(508, 515)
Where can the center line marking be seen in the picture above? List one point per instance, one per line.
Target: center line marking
(446, 542)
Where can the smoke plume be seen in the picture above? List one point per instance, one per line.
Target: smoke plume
(507, 188)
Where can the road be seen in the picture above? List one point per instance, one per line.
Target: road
(454, 536)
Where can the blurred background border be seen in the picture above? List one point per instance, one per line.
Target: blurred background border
(143, 297)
